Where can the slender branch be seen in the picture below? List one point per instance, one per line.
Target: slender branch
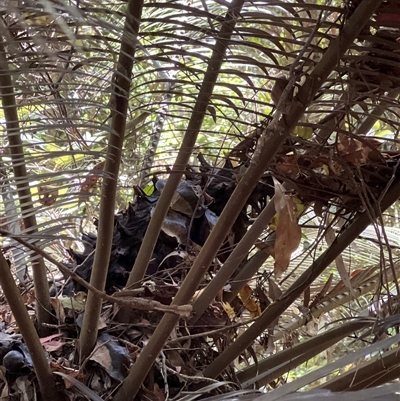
(43, 305)
(42, 368)
(119, 103)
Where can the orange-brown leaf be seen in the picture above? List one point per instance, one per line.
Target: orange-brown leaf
(246, 295)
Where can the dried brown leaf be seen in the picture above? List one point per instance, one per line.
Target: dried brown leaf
(246, 295)
(288, 236)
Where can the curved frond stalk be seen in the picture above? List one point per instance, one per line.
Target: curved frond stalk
(119, 104)
(42, 368)
(140, 369)
(43, 305)
(278, 307)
